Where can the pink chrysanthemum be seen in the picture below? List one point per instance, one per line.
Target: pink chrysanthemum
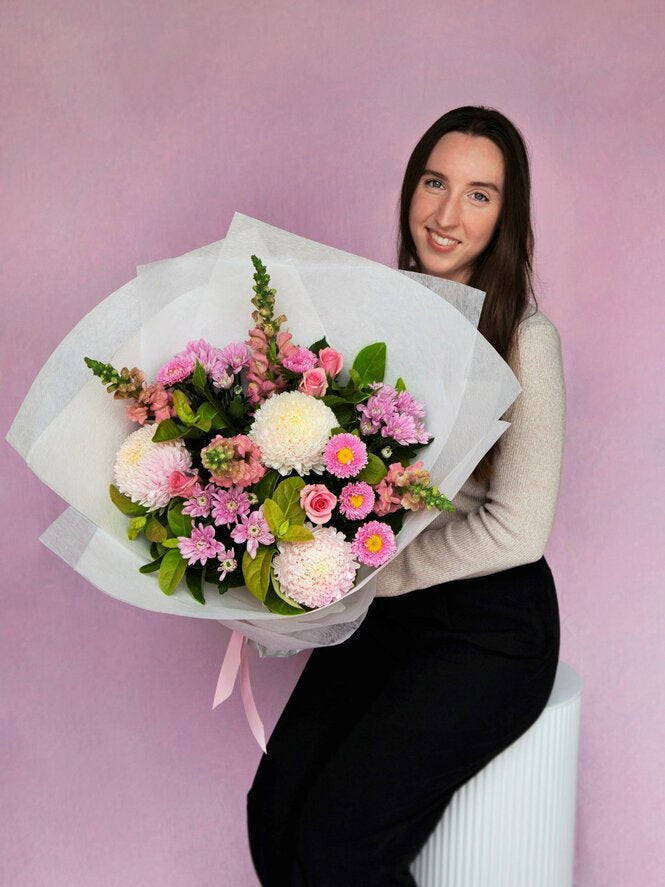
(233, 461)
(374, 543)
(235, 356)
(142, 468)
(201, 545)
(356, 500)
(200, 502)
(319, 572)
(228, 506)
(253, 529)
(206, 354)
(227, 562)
(300, 360)
(176, 370)
(345, 455)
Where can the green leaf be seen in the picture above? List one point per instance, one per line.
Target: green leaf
(399, 385)
(282, 529)
(287, 496)
(136, 524)
(170, 543)
(274, 516)
(278, 602)
(199, 378)
(195, 581)
(256, 571)
(152, 567)
(124, 503)
(207, 417)
(296, 533)
(155, 531)
(171, 571)
(370, 363)
(168, 430)
(266, 486)
(374, 471)
(317, 346)
(183, 407)
(180, 524)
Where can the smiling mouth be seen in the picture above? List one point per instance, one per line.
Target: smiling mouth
(441, 241)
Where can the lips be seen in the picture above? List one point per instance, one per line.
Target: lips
(440, 234)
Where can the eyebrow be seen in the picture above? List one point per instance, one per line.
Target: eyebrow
(440, 175)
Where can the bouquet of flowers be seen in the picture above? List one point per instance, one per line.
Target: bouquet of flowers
(222, 423)
(229, 436)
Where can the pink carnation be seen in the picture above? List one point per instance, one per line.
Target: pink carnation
(374, 543)
(345, 455)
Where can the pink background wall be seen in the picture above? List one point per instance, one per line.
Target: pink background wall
(132, 132)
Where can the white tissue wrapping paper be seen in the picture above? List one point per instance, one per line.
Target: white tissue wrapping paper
(68, 428)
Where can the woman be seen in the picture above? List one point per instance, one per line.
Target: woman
(457, 655)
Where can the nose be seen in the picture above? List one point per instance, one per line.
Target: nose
(447, 214)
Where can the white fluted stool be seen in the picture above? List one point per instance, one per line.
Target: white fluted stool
(513, 823)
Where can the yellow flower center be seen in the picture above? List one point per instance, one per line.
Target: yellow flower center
(344, 455)
(356, 500)
(374, 543)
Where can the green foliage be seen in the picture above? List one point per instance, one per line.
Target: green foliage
(171, 571)
(399, 385)
(369, 365)
(195, 580)
(287, 496)
(296, 533)
(317, 346)
(124, 503)
(152, 567)
(136, 524)
(256, 571)
(180, 524)
(183, 407)
(155, 531)
(278, 602)
(266, 486)
(274, 516)
(168, 429)
(374, 471)
(199, 379)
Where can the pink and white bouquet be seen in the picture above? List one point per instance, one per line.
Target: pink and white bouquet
(265, 464)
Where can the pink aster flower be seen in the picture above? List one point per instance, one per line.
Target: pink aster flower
(200, 502)
(253, 530)
(345, 455)
(374, 543)
(356, 500)
(228, 506)
(176, 370)
(228, 562)
(300, 360)
(201, 545)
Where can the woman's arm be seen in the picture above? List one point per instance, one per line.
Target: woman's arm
(513, 526)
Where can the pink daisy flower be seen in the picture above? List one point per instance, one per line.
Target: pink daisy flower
(345, 455)
(356, 500)
(176, 370)
(204, 352)
(235, 356)
(253, 530)
(228, 562)
(300, 360)
(201, 545)
(228, 506)
(200, 502)
(374, 543)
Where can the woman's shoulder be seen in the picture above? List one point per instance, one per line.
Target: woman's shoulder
(533, 317)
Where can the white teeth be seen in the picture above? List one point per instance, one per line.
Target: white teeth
(444, 241)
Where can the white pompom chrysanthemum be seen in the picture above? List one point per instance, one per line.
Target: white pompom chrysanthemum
(142, 468)
(291, 430)
(319, 572)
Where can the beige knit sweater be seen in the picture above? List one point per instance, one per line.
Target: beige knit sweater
(506, 521)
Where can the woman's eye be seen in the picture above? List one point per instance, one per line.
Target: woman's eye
(485, 198)
(433, 182)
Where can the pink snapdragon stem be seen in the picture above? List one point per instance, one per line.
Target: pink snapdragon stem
(236, 658)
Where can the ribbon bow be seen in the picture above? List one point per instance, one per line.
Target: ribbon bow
(235, 658)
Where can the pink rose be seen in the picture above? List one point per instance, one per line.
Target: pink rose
(331, 361)
(318, 502)
(182, 483)
(314, 382)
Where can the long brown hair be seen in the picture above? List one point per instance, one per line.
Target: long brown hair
(504, 270)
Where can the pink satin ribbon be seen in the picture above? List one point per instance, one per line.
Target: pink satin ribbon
(235, 658)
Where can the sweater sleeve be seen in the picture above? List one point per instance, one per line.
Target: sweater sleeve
(513, 525)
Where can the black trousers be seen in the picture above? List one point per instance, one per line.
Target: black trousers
(382, 729)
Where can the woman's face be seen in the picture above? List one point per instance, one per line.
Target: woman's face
(458, 196)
